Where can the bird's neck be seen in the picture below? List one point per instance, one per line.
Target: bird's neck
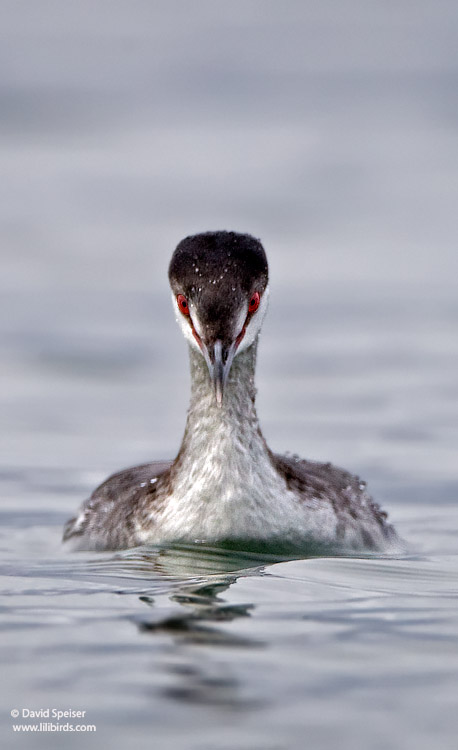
(223, 484)
(228, 434)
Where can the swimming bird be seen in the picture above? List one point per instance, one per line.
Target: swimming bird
(226, 484)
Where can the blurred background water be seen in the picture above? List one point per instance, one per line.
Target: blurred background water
(329, 130)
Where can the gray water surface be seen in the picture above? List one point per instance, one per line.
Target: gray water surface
(328, 130)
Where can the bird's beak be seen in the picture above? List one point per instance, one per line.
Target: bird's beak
(219, 360)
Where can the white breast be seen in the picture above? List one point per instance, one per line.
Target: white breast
(230, 489)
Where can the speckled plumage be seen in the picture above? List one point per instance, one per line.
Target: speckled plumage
(225, 483)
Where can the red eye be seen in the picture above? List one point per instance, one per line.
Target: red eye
(183, 304)
(254, 302)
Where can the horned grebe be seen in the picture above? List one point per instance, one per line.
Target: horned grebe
(225, 483)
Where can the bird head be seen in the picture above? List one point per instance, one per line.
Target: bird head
(219, 283)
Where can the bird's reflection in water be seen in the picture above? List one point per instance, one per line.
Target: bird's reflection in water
(193, 613)
(201, 605)
(196, 578)
(208, 683)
